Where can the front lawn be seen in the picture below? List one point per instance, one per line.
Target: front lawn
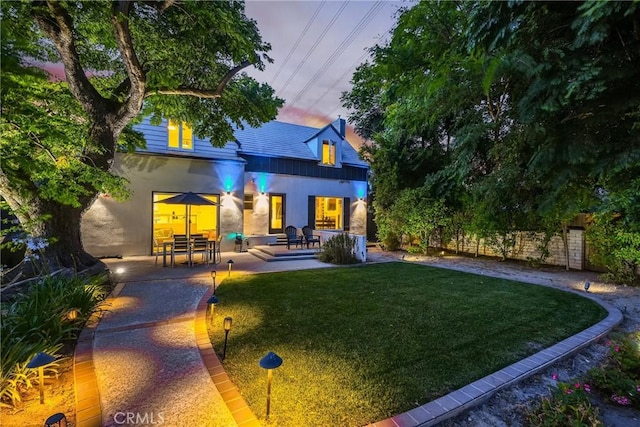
(364, 343)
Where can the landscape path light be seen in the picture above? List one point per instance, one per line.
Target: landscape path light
(213, 277)
(227, 327)
(56, 420)
(39, 361)
(211, 305)
(72, 314)
(230, 263)
(270, 361)
(587, 285)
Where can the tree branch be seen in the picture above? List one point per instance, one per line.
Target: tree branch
(137, 78)
(57, 25)
(199, 93)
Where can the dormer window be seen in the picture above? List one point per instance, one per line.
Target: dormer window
(328, 153)
(180, 136)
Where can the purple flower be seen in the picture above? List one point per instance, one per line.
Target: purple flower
(587, 388)
(577, 385)
(620, 400)
(568, 391)
(555, 377)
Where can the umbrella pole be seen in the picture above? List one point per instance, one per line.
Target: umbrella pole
(189, 235)
(188, 221)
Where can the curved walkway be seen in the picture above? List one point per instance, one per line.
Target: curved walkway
(149, 359)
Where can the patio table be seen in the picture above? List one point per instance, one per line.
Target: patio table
(168, 246)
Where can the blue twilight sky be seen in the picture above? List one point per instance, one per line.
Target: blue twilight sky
(316, 46)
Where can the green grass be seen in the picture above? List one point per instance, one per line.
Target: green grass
(362, 344)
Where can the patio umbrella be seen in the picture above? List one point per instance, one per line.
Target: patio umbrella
(188, 199)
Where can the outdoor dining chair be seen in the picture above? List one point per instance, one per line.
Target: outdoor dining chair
(199, 245)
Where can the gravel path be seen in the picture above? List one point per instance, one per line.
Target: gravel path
(507, 407)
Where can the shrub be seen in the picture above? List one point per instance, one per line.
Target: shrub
(569, 405)
(619, 377)
(616, 248)
(339, 249)
(37, 321)
(391, 241)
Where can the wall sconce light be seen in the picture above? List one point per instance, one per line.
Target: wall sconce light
(39, 361)
(587, 285)
(213, 277)
(270, 362)
(226, 324)
(262, 193)
(230, 263)
(228, 193)
(361, 198)
(211, 305)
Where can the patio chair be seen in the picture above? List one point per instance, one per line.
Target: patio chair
(217, 256)
(292, 236)
(309, 237)
(180, 246)
(199, 245)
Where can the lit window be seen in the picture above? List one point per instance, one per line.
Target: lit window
(329, 213)
(180, 135)
(187, 137)
(328, 153)
(173, 130)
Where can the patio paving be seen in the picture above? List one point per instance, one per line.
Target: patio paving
(149, 361)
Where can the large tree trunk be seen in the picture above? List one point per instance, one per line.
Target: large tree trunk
(63, 222)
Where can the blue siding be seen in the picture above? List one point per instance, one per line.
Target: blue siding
(157, 142)
(278, 165)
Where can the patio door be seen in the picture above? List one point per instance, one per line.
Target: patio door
(277, 219)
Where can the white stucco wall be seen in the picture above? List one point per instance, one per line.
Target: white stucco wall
(124, 228)
(111, 228)
(297, 190)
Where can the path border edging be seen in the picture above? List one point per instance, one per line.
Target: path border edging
(480, 391)
(242, 414)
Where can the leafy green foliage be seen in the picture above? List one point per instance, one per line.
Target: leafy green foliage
(519, 115)
(38, 321)
(614, 247)
(339, 249)
(569, 405)
(619, 378)
(122, 60)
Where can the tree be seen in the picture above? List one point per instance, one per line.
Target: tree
(122, 59)
(535, 105)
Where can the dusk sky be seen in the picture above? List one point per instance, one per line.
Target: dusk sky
(316, 46)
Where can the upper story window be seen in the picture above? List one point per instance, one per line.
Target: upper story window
(328, 153)
(180, 135)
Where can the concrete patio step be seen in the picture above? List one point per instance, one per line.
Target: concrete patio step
(272, 253)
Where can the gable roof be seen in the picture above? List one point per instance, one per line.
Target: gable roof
(279, 139)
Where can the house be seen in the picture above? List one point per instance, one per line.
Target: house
(269, 177)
